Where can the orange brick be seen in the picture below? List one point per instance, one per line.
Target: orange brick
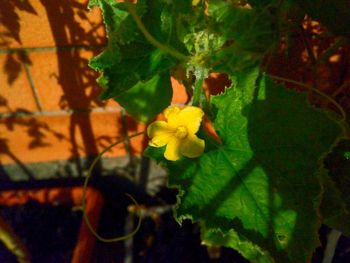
(43, 23)
(15, 92)
(60, 137)
(108, 128)
(216, 83)
(64, 80)
(179, 92)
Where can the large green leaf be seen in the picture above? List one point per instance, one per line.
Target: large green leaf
(262, 181)
(130, 60)
(147, 99)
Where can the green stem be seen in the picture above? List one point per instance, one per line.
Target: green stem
(197, 92)
(91, 168)
(151, 39)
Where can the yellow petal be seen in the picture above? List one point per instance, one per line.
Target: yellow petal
(160, 133)
(192, 146)
(172, 151)
(170, 113)
(191, 118)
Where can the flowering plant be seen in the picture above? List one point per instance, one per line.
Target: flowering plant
(269, 184)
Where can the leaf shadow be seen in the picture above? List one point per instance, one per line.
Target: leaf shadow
(74, 72)
(11, 20)
(78, 82)
(12, 68)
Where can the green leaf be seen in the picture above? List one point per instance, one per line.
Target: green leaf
(137, 62)
(249, 35)
(129, 58)
(335, 206)
(120, 26)
(93, 3)
(262, 182)
(194, 31)
(231, 239)
(147, 99)
(130, 61)
(252, 29)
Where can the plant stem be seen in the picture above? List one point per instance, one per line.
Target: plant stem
(197, 92)
(332, 240)
(83, 205)
(14, 244)
(151, 39)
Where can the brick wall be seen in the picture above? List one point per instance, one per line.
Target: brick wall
(49, 106)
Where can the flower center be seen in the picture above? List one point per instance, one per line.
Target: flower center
(181, 132)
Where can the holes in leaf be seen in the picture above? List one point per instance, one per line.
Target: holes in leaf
(281, 238)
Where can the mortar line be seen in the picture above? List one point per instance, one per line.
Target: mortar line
(33, 86)
(58, 112)
(53, 48)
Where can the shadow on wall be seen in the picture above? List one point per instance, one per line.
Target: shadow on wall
(79, 94)
(10, 19)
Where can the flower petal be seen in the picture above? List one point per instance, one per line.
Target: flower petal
(160, 133)
(172, 151)
(192, 146)
(191, 118)
(170, 114)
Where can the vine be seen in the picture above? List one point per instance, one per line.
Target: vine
(86, 182)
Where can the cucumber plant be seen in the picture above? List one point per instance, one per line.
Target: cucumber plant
(281, 164)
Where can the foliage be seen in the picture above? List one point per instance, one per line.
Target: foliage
(266, 187)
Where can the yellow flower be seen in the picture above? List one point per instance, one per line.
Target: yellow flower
(178, 133)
